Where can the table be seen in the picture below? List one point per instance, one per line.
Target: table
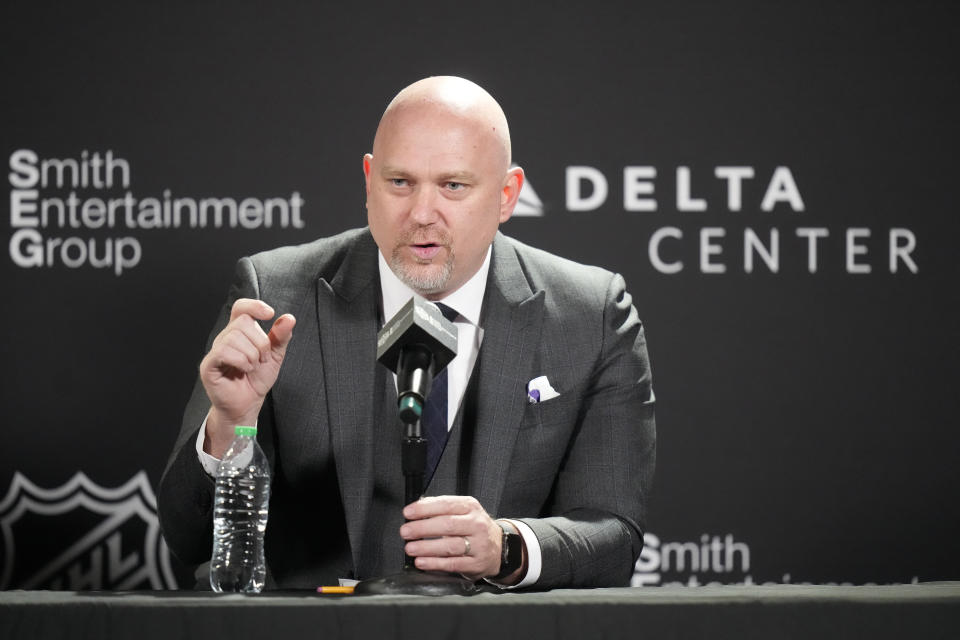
(925, 611)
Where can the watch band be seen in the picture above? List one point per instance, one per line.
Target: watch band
(511, 554)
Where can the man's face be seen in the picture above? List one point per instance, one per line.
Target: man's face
(437, 189)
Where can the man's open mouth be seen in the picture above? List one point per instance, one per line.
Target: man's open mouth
(426, 250)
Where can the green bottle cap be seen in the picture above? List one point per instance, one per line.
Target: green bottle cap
(245, 431)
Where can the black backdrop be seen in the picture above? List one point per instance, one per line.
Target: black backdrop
(807, 420)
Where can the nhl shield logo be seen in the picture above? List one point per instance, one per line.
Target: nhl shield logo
(81, 536)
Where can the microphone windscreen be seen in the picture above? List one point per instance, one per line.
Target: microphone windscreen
(417, 322)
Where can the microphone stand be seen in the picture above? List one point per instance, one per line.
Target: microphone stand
(413, 460)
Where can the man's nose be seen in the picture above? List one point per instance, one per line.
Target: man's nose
(424, 206)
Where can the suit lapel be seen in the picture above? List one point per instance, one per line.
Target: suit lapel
(511, 320)
(347, 315)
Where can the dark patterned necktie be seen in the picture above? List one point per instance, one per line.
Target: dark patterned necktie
(434, 418)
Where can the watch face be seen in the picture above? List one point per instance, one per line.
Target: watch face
(511, 554)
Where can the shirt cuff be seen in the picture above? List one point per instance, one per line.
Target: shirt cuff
(207, 461)
(534, 556)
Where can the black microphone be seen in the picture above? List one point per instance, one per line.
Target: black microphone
(416, 344)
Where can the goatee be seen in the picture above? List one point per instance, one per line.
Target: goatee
(425, 278)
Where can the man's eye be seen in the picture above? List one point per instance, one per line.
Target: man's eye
(398, 182)
(455, 186)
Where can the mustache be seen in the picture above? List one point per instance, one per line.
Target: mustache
(424, 235)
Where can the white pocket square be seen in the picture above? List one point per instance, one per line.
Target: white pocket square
(540, 390)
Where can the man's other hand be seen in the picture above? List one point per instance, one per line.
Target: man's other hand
(241, 368)
(453, 534)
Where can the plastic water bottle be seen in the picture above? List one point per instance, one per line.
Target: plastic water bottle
(240, 516)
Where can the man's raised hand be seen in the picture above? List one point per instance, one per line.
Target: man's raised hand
(241, 367)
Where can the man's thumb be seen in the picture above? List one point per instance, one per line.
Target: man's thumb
(281, 332)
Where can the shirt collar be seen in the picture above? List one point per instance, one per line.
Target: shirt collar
(467, 300)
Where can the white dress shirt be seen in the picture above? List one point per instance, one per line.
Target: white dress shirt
(467, 301)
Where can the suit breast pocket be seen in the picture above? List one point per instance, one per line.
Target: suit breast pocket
(549, 413)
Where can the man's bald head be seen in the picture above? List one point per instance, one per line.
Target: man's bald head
(456, 97)
(439, 183)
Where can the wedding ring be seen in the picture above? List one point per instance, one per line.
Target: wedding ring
(466, 546)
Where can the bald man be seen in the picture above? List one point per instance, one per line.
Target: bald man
(551, 439)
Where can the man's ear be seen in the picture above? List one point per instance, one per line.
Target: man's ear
(367, 164)
(510, 194)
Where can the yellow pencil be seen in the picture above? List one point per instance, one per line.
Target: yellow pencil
(334, 589)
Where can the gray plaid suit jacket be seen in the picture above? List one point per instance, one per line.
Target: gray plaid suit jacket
(576, 468)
